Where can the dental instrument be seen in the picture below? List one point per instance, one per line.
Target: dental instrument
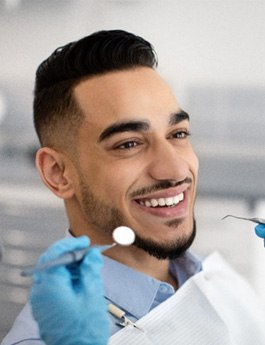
(122, 235)
(120, 314)
(254, 220)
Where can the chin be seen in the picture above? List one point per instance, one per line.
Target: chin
(168, 249)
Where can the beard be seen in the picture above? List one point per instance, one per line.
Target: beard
(98, 213)
(106, 219)
(166, 250)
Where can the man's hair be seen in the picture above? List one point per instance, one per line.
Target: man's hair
(56, 113)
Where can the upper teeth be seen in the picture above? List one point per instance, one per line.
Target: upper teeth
(163, 201)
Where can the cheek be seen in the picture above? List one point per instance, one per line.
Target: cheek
(196, 165)
(193, 163)
(119, 179)
(112, 181)
(194, 171)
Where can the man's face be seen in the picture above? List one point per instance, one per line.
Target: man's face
(135, 165)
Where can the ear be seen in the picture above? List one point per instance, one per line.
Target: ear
(54, 170)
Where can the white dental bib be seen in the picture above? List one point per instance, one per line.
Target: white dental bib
(216, 306)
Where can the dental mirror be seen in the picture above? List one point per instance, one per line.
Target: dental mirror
(122, 235)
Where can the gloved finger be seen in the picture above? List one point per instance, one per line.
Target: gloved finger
(93, 258)
(54, 251)
(64, 246)
(79, 276)
(92, 263)
(260, 230)
(52, 284)
(58, 275)
(90, 272)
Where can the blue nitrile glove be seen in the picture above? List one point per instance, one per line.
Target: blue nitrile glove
(260, 231)
(68, 301)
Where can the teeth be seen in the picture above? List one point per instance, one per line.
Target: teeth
(172, 201)
(177, 199)
(161, 202)
(154, 202)
(169, 201)
(181, 196)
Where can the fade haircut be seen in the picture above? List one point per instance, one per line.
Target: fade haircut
(57, 116)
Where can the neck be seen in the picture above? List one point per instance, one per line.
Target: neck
(141, 261)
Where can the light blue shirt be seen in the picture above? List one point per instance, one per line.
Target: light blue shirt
(130, 290)
(136, 293)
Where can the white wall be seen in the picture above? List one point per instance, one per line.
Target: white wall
(197, 41)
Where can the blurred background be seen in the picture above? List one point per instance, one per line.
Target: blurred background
(211, 52)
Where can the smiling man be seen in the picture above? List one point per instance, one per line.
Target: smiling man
(115, 147)
(134, 164)
(122, 156)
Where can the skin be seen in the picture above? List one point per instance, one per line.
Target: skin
(112, 171)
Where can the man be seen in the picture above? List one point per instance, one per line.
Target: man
(115, 147)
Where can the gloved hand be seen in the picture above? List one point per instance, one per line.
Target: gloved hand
(260, 231)
(68, 301)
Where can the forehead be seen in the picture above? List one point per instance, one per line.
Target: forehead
(125, 95)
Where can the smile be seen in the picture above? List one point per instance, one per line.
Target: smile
(163, 202)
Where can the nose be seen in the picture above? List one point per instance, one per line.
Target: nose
(168, 162)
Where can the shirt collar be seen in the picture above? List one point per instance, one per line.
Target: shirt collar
(185, 266)
(123, 285)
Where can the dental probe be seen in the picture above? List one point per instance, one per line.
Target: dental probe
(254, 220)
(122, 235)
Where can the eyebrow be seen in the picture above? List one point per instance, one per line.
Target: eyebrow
(139, 126)
(178, 117)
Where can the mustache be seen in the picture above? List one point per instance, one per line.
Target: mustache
(161, 185)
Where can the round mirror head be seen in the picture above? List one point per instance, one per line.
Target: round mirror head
(123, 235)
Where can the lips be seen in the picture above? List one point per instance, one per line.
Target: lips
(162, 202)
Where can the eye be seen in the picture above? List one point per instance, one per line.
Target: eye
(127, 145)
(180, 134)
